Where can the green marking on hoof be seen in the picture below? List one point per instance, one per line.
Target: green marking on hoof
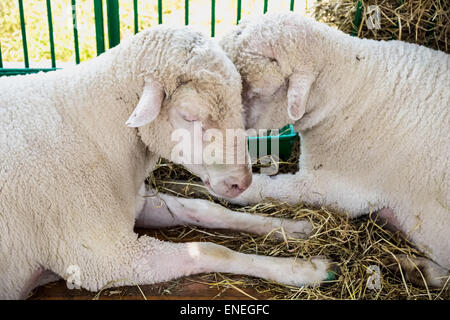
(331, 275)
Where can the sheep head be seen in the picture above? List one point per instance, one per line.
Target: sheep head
(275, 58)
(189, 105)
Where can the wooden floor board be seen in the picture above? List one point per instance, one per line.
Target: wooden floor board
(185, 289)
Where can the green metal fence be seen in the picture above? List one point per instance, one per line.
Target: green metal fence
(113, 22)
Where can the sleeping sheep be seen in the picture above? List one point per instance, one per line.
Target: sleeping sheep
(72, 173)
(373, 117)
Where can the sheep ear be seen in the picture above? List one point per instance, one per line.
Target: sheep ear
(149, 105)
(298, 93)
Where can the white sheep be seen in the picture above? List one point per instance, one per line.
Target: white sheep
(373, 117)
(72, 173)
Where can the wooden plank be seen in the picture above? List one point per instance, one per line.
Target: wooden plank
(183, 289)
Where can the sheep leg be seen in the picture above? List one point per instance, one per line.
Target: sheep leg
(146, 260)
(313, 188)
(167, 210)
(290, 188)
(420, 271)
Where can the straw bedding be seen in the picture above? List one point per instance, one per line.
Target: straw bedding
(425, 22)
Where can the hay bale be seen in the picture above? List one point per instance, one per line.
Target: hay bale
(425, 22)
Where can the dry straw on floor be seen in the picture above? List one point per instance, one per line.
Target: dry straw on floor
(425, 22)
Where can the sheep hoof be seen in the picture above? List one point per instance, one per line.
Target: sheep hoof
(333, 271)
(420, 271)
(294, 229)
(304, 272)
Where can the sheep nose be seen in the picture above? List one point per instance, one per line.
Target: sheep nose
(237, 185)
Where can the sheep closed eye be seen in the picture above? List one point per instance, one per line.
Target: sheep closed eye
(187, 116)
(190, 118)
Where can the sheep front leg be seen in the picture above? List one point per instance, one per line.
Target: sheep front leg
(280, 187)
(166, 210)
(313, 188)
(290, 188)
(147, 260)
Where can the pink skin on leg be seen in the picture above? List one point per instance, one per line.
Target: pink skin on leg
(166, 210)
(39, 278)
(387, 217)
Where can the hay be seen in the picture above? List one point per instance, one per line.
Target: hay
(354, 244)
(425, 22)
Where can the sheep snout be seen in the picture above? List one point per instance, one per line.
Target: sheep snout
(229, 185)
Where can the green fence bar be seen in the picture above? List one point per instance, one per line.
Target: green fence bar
(99, 29)
(291, 7)
(15, 72)
(239, 9)
(186, 12)
(75, 32)
(357, 20)
(160, 11)
(112, 9)
(24, 34)
(136, 16)
(1, 60)
(213, 18)
(266, 4)
(50, 33)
